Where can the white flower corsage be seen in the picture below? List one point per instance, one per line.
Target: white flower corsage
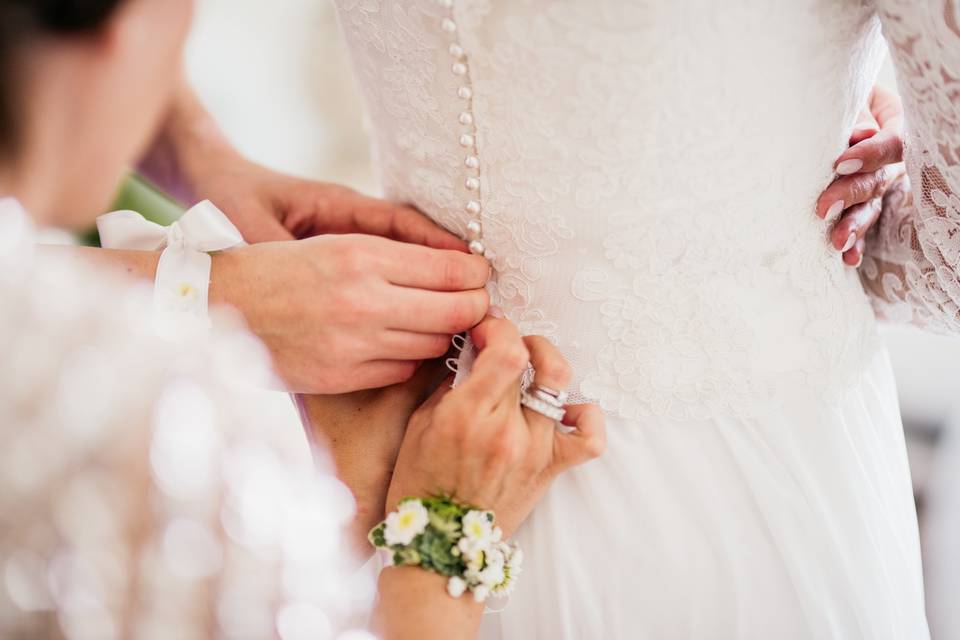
(454, 540)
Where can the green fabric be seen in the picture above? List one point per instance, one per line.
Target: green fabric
(137, 194)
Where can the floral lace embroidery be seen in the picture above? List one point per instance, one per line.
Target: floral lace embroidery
(645, 204)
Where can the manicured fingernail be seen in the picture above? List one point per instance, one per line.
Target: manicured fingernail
(851, 240)
(847, 167)
(859, 262)
(863, 130)
(496, 312)
(834, 211)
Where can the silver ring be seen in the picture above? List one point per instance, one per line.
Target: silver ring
(557, 398)
(544, 408)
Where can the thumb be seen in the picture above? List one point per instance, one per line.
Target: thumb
(586, 441)
(865, 127)
(260, 226)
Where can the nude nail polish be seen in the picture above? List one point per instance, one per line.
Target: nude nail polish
(848, 167)
(851, 240)
(834, 211)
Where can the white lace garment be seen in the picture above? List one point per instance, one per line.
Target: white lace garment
(145, 489)
(592, 143)
(643, 177)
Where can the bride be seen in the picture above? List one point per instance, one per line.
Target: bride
(641, 176)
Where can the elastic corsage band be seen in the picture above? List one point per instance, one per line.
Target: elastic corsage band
(453, 540)
(183, 272)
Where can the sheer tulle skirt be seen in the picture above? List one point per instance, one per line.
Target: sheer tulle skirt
(800, 525)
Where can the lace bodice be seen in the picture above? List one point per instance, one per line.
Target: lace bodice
(913, 259)
(144, 490)
(644, 174)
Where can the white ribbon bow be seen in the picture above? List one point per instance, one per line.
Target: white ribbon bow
(183, 272)
(203, 228)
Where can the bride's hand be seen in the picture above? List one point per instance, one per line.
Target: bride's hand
(347, 312)
(478, 445)
(864, 173)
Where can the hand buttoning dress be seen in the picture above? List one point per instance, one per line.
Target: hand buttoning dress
(642, 176)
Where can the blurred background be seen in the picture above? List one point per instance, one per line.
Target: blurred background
(276, 77)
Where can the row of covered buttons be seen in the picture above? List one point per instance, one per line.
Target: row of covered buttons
(468, 139)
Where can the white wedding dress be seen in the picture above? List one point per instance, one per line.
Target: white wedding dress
(643, 176)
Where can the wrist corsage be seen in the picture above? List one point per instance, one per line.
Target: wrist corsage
(454, 540)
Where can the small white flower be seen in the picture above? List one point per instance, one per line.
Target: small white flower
(456, 586)
(492, 576)
(515, 559)
(406, 523)
(497, 555)
(512, 570)
(480, 592)
(473, 554)
(478, 526)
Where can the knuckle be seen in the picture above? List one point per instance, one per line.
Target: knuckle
(503, 448)
(595, 446)
(515, 357)
(351, 259)
(459, 316)
(404, 372)
(355, 309)
(438, 346)
(452, 273)
(555, 369)
(879, 182)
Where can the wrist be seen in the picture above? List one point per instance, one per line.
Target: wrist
(456, 541)
(224, 281)
(413, 604)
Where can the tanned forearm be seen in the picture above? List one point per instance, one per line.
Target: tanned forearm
(138, 264)
(142, 265)
(184, 147)
(413, 604)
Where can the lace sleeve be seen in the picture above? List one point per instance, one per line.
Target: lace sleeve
(913, 254)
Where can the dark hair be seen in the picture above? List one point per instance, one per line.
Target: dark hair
(21, 20)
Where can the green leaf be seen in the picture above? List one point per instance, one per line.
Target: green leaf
(376, 536)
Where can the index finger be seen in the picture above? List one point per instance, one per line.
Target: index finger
(886, 147)
(410, 265)
(501, 361)
(409, 225)
(395, 221)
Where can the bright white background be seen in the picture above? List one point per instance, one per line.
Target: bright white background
(276, 77)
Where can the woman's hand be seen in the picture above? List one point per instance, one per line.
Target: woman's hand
(864, 173)
(346, 312)
(477, 444)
